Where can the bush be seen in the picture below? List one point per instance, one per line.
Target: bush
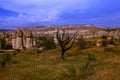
(45, 42)
(104, 40)
(112, 41)
(115, 50)
(5, 45)
(85, 66)
(91, 57)
(72, 69)
(6, 58)
(82, 44)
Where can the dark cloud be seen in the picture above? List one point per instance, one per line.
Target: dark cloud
(4, 12)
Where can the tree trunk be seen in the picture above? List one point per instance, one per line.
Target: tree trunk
(62, 55)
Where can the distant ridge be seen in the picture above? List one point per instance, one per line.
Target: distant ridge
(4, 30)
(43, 28)
(66, 25)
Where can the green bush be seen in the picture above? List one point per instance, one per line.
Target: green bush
(5, 45)
(115, 50)
(104, 41)
(82, 44)
(85, 66)
(45, 42)
(6, 58)
(91, 57)
(72, 69)
(112, 41)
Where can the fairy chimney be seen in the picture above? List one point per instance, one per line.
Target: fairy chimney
(19, 40)
(14, 36)
(29, 39)
(7, 39)
(55, 37)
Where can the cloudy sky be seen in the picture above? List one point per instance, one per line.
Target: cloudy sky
(19, 13)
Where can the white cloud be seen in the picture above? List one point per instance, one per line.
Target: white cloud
(42, 10)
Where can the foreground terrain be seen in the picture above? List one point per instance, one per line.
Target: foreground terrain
(95, 63)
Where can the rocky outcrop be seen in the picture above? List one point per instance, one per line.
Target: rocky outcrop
(29, 39)
(22, 40)
(19, 40)
(14, 36)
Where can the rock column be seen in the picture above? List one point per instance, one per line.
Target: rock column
(29, 39)
(19, 40)
(14, 40)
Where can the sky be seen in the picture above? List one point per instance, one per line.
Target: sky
(21, 13)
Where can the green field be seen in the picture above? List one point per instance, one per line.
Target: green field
(95, 63)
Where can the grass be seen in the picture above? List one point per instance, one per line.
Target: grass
(79, 65)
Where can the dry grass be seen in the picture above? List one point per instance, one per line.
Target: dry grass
(28, 65)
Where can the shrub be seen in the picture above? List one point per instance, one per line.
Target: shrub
(45, 42)
(6, 58)
(91, 57)
(5, 45)
(85, 66)
(112, 41)
(115, 50)
(72, 69)
(82, 44)
(104, 37)
(104, 40)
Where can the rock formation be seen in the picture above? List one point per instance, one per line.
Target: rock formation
(29, 39)
(22, 40)
(24, 37)
(19, 40)
(14, 36)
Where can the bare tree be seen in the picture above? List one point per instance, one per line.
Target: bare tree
(65, 40)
